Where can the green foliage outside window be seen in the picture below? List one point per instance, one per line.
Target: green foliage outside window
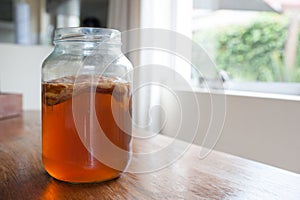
(254, 51)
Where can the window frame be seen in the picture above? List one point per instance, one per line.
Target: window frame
(281, 88)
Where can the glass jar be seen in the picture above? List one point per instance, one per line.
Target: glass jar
(86, 106)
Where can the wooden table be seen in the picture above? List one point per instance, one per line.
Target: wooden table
(218, 176)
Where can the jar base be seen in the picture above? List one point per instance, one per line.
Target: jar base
(84, 182)
(74, 174)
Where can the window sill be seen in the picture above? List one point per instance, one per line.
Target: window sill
(263, 95)
(239, 93)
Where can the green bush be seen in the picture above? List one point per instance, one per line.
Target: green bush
(255, 52)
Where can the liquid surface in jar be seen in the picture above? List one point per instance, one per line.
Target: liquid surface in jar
(65, 156)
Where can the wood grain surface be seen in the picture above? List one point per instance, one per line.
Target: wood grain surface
(218, 176)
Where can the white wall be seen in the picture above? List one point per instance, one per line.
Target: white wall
(265, 129)
(20, 71)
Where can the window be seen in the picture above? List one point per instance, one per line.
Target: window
(254, 47)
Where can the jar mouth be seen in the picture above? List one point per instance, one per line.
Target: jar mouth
(87, 34)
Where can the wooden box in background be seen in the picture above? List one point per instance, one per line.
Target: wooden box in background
(10, 105)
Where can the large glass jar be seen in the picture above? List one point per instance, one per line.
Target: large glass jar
(86, 106)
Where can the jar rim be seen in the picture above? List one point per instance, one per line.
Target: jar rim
(87, 34)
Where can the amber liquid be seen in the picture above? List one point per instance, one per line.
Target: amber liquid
(65, 157)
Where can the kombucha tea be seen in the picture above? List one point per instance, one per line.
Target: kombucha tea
(65, 157)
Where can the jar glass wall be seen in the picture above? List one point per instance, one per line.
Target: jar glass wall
(86, 106)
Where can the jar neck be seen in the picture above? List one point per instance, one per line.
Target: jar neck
(87, 48)
(84, 40)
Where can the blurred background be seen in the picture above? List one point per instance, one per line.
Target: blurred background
(46, 15)
(235, 33)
